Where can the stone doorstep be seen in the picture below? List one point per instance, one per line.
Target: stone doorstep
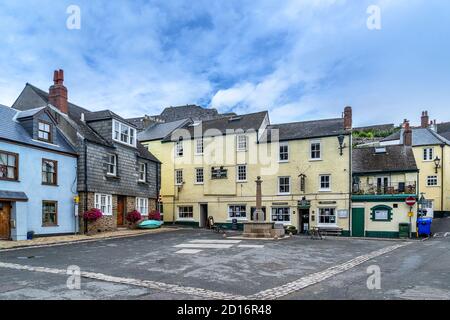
(11, 245)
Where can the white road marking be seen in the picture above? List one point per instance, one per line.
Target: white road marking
(204, 245)
(189, 251)
(446, 234)
(251, 246)
(274, 293)
(216, 241)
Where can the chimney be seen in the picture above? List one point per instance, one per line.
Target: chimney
(407, 134)
(58, 92)
(425, 119)
(348, 118)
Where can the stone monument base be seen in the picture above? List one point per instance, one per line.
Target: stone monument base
(261, 230)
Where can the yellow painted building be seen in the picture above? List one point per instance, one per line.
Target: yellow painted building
(209, 169)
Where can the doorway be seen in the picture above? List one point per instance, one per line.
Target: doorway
(358, 229)
(203, 223)
(303, 220)
(120, 210)
(5, 218)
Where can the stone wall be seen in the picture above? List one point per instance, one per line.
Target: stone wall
(106, 223)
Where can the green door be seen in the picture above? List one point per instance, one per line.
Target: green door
(358, 222)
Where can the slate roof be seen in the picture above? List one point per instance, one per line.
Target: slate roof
(194, 112)
(105, 115)
(443, 127)
(420, 137)
(306, 129)
(397, 158)
(29, 113)
(12, 130)
(161, 130)
(13, 195)
(210, 128)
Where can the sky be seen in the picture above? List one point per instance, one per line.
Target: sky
(299, 59)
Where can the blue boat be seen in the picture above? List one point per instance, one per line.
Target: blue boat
(150, 224)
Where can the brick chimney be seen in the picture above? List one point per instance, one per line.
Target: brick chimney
(58, 92)
(348, 118)
(425, 119)
(407, 134)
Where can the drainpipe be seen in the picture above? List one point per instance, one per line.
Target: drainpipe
(350, 178)
(85, 185)
(442, 178)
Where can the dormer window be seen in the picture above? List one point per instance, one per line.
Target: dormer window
(124, 133)
(45, 131)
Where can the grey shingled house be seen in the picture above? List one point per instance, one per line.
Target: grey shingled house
(115, 172)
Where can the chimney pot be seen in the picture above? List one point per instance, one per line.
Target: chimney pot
(348, 115)
(58, 92)
(425, 119)
(407, 134)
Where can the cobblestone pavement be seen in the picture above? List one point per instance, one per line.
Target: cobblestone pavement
(148, 267)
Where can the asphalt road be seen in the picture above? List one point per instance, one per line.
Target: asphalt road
(417, 271)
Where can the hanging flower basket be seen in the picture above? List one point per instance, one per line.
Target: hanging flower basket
(154, 215)
(133, 218)
(92, 215)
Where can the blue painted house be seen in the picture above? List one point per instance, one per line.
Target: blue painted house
(38, 175)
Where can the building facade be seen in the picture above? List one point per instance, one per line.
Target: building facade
(38, 177)
(116, 174)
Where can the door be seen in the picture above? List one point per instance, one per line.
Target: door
(358, 222)
(382, 185)
(203, 223)
(120, 210)
(5, 216)
(304, 220)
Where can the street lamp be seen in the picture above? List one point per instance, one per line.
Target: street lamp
(341, 138)
(437, 164)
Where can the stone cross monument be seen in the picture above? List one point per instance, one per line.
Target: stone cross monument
(259, 214)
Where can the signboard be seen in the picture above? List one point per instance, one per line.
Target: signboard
(342, 214)
(219, 173)
(410, 201)
(381, 214)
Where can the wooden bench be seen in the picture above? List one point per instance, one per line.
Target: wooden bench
(331, 231)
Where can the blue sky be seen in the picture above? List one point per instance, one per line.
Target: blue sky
(300, 60)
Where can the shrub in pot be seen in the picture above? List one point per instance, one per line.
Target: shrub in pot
(154, 215)
(133, 218)
(92, 215)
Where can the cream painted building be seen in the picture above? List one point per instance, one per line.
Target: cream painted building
(209, 169)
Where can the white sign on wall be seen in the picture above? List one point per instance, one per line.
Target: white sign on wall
(381, 214)
(343, 214)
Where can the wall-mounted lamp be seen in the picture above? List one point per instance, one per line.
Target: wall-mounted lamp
(437, 164)
(341, 138)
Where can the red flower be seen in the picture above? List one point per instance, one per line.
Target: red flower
(133, 216)
(154, 215)
(93, 214)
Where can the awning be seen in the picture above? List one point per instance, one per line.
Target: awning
(13, 196)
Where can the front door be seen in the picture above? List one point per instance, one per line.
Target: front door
(304, 220)
(203, 215)
(120, 210)
(358, 222)
(5, 216)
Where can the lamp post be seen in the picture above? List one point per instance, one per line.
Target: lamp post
(437, 164)
(341, 138)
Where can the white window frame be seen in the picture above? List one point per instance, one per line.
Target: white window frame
(107, 203)
(241, 142)
(428, 154)
(179, 174)
(283, 145)
(184, 218)
(432, 178)
(118, 127)
(238, 172)
(234, 206)
(46, 129)
(199, 146)
(140, 172)
(112, 164)
(198, 175)
(279, 185)
(320, 182)
(327, 224)
(281, 208)
(311, 143)
(142, 203)
(179, 149)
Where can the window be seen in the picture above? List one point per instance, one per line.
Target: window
(44, 131)
(325, 183)
(178, 177)
(381, 213)
(49, 172)
(199, 146)
(428, 154)
(142, 205)
(9, 166)
(432, 181)
(241, 143)
(49, 213)
(124, 133)
(104, 203)
(284, 152)
(199, 178)
(315, 150)
(327, 216)
(242, 173)
(111, 164)
(185, 212)
(237, 211)
(142, 172)
(281, 214)
(179, 148)
(284, 185)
